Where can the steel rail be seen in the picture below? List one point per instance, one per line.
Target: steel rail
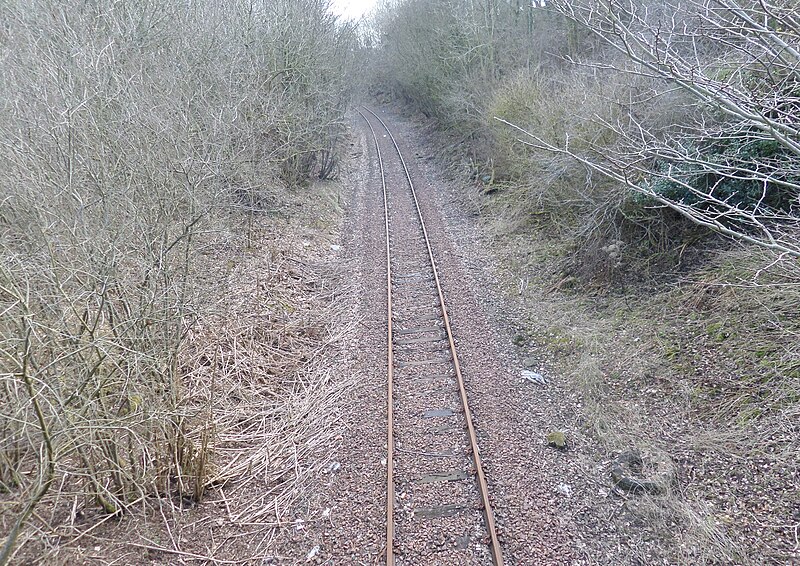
(390, 371)
(496, 552)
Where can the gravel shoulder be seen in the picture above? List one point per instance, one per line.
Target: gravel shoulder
(528, 479)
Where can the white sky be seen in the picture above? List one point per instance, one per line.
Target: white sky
(352, 9)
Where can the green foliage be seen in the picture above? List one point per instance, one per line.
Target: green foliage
(723, 168)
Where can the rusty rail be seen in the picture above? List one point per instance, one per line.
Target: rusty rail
(496, 553)
(390, 361)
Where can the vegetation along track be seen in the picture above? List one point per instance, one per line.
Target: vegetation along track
(438, 508)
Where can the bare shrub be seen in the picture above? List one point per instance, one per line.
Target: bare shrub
(128, 129)
(730, 163)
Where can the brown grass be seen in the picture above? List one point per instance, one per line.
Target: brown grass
(258, 398)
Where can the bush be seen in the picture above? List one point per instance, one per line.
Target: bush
(722, 168)
(134, 135)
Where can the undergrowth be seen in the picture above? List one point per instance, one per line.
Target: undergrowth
(698, 368)
(137, 139)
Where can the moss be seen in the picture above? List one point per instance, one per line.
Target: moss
(717, 331)
(557, 439)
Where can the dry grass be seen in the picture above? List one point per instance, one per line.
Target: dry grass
(704, 375)
(267, 357)
(258, 398)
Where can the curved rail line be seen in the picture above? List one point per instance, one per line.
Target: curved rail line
(483, 488)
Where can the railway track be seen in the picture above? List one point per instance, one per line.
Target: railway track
(438, 508)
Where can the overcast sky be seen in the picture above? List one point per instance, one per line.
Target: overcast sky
(352, 9)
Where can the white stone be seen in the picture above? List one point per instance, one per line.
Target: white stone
(533, 377)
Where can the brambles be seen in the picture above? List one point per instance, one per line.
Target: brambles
(725, 174)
